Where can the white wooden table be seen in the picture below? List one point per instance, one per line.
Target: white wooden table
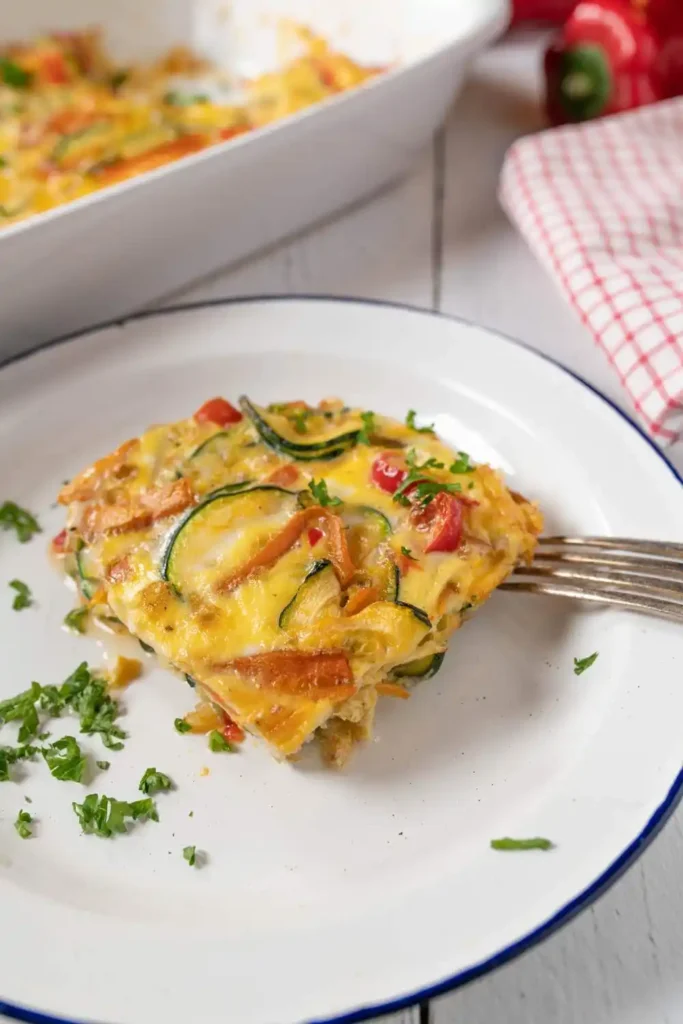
(440, 241)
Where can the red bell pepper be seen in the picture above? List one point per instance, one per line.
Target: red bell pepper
(605, 60)
(218, 411)
(554, 11)
(388, 472)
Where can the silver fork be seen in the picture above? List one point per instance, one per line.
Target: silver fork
(642, 575)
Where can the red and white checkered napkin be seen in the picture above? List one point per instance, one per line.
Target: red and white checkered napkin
(601, 205)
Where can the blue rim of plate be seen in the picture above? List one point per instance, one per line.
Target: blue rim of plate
(609, 876)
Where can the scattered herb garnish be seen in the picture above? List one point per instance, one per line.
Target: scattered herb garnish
(65, 760)
(87, 695)
(430, 463)
(190, 855)
(218, 743)
(154, 782)
(13, 517)
(410, 422)
(77, 618)
(23, 598)
(462, 464)
(13, 74)
(321, 495)
(368, 428)
(23, 824)
(422, 490)
(408, 553)
(105, 816)
(581, 664)
(118, 78)
(10, 755)
(521, 844)
(104, 766)
(181, 725)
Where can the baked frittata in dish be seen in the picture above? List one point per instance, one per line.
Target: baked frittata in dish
(295, 563)
(72, 121)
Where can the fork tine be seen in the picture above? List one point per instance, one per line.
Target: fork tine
(563, 588)
(618, 565)
(648, 548)
(621, 581)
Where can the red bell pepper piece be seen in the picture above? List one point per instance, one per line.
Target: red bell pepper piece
(388, 472)
(604, 61)
(218, 411)
(554, 11)
(314, 535)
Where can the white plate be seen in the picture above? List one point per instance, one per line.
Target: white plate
(337, 895)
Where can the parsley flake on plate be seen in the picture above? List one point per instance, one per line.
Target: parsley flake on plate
(537, 843)
(104, 816)
(581, 664)
(153, 782)
(11, 755)
(191, 856)
(321, 494)
(13, 517)
(23, 598)
(181, 725)
(65, 759)
(218, 743)
(23, 824)
(104, 766)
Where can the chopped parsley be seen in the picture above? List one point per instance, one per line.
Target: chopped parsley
(23, 597)
(462, 464)
(13, 74)
(410, 422)
(118, 78)
(521, 844)
(190, 855)
(321, 495)
(10, 755)
(218, 743)
(77, 619)
(23, 824)
(13, 517)
(154, 782)
(418, 488)
(104, 766)
(104, 816)
(368, 428)
(181, 725)
(65, 759)
(581, 664)
(408, 553)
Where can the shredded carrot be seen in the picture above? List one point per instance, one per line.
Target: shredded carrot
(122, 169)
(392, 690)
(360, 599)
(85, 486)
(284, 476)
(278, 545)
(316, 674)
(138, 512)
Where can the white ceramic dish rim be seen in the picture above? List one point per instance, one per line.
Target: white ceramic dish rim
(495, 15)
(619, 865)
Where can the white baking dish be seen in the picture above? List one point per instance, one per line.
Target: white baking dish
(110, 253)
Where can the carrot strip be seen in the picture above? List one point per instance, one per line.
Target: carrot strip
(360, 599)
(147, 508)
(392, 690)
(280, 544)
(86, 485)
(125, 168)
(283, 476)
(315, 674)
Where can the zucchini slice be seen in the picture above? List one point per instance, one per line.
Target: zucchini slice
(320, 448)
(422, 668)
(211, 445)
(318, 594)
(419, 614)
(87, 584)
(385, 631)
(222, 533)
